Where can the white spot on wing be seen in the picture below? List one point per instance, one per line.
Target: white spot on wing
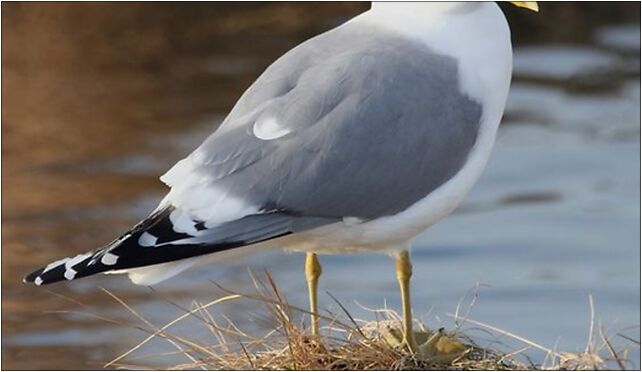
(147, 240)
(76, 260)
(109, 259)
(55, 264)
(70, 273)
(269, 129)
(181, 223)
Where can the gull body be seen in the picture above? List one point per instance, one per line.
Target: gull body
(357, 139)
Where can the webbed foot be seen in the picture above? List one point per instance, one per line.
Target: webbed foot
(433, 346)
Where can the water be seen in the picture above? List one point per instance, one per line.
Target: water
(554, 219)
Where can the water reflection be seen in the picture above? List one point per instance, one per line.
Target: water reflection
(555, 217)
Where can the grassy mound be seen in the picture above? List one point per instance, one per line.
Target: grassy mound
(351, 344)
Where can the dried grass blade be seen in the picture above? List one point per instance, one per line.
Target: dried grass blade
(161, 330)
(345, 311)
(611, 350)
(589, 342)
(637, 342)
(509, 334)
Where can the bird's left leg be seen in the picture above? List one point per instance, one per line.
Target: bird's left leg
(312, 274)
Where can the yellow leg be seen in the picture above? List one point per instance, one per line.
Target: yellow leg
(312, 274)
(404, 272)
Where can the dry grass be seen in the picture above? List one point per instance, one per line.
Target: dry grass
(351, 344)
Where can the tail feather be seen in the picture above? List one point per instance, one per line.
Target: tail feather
(151, 275)
(166, 236)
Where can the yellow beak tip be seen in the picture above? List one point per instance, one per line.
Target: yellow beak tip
(530, 5)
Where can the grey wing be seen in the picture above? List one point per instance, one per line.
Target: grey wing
(371, 124)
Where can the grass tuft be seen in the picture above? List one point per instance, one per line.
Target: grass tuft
(347, 343)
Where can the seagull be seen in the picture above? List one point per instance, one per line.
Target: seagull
(357, 139)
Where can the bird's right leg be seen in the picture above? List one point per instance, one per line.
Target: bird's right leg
(404, 272)
(312, 274)
(436, 346)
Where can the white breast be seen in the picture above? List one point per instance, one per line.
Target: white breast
(479, 39)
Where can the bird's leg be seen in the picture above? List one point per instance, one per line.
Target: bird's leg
(404, 272)
(435, 346)
(312, 274)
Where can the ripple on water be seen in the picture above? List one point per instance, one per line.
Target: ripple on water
(562, 61)
(621, 37)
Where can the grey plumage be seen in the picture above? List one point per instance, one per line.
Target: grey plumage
(376, 123)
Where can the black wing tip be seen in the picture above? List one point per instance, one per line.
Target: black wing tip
(33, 277)
(46, 276)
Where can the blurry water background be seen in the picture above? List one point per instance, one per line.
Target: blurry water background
(98, 100)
